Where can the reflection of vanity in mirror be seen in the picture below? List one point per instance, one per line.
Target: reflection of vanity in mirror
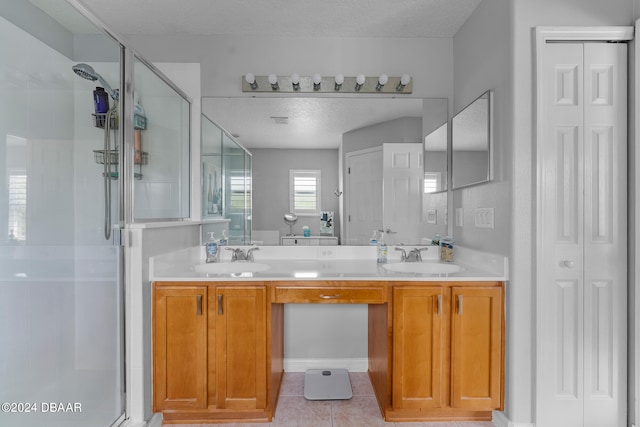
(471, 134)
(315, 133)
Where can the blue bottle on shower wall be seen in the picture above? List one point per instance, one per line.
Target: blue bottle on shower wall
(100, 100)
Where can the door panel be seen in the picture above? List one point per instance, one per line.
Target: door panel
(419, 344)
(364, 201)
(582, 260)
(403, 180)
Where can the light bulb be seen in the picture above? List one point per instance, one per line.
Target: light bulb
(360, 79)
(273, 80)
(317, 79)
(382, 80)
(404, 80)
(295, 81)
(251, 79)
(339, 79)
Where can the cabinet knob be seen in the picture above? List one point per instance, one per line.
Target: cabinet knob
(199, 305)
(439, 300)
(459, 305)
(220, 304)
(567, 263)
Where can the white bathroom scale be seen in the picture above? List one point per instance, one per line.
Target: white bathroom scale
(327, 384)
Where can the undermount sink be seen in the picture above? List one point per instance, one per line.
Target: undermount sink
(423, 267)
(231, 267)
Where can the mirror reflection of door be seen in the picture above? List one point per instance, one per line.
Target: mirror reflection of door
(364, 187)
(403, 181)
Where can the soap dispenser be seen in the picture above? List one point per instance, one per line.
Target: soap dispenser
(382, 250)
(224, 240)
(213, 254)
(373, 241)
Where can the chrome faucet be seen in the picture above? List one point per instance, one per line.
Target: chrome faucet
(413, 256)
(240, 255)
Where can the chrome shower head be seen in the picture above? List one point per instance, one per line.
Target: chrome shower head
(87, 72)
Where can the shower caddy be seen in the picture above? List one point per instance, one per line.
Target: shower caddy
(140, 157)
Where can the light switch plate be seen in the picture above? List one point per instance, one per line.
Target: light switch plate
(432, 216)
(484, 217)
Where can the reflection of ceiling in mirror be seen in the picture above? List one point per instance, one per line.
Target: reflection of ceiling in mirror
(312, 122)
(436, 140)
(470, 128)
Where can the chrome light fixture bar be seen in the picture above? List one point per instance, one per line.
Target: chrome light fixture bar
(328, 84)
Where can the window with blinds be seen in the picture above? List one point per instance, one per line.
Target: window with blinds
(304, 192)
(17, 227)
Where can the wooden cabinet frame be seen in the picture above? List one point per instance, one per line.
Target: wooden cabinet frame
(229, 369)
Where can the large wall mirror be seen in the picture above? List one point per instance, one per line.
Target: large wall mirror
(320, 134)
(471, 141)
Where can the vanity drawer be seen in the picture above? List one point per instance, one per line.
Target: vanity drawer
(330, 295)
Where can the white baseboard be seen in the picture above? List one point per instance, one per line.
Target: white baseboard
(501, 420)
(155, 421)
(301, 365)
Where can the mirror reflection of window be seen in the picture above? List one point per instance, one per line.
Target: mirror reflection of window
(304, 189)
(432, 182)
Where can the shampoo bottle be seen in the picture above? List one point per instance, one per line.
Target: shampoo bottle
(212, 248)
(100, 100)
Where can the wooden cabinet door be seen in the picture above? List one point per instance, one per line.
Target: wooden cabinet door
(179, 347)
(419, 347)
(476, 348)
(241, 343)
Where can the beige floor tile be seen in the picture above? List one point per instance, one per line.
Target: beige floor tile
(425, 424)
(296, 411)
(292, 384)
(360, 384)
(474, 424)
(360, 411)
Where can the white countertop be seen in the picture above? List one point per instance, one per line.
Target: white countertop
(326, 263)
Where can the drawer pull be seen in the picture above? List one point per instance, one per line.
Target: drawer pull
(199, 305)
(439, 299)
(219, 304)
(460, 305)
(334, 296)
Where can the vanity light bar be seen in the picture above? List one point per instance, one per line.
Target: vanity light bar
(323, 84)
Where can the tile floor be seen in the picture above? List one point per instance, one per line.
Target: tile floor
(361, 410)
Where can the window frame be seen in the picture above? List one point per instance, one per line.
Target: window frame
(300, 173)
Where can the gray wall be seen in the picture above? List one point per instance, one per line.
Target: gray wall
(502, 31)
(271, 187)
(40, 25)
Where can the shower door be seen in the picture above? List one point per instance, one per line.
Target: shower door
(61, 299)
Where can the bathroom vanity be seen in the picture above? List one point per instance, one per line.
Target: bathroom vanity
(436, 342)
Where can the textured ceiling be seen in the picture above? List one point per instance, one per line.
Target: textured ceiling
(312, 122)
(311, 18)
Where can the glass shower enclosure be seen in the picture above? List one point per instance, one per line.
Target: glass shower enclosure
(61, 292)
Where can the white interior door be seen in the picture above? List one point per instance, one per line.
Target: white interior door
(364, 195)
(582, 275)
(403, 180)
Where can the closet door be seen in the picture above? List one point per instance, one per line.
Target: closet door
(582, 237)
